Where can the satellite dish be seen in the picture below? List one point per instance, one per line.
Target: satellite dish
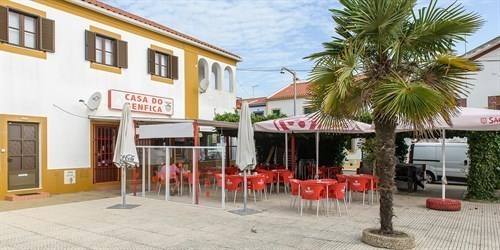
(203, 86)
(94, 101)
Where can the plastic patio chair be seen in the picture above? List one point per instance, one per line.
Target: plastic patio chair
(162, 180)
(258, 184)
(233, 184)
(358, 185)
(338, 192)
(295, 191)
(190, 182)
(311, 192)
(285, 177)
(374, 188)
(270, 179)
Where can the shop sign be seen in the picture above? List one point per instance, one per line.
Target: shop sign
(140, 102)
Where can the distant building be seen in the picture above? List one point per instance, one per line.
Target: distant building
(485, 92)
(257, 105)
(281, 102)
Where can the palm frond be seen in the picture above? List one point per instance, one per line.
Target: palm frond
(412, 104)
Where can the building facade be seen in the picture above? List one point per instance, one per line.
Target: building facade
(55, 54)
(282, 101)
(485, 89)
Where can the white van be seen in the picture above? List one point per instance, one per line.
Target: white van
(457, 161)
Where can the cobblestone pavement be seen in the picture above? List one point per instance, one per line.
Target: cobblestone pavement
(158, 224)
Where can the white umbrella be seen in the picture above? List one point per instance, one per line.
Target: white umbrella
(471, 119)
(310, 124)
(125, 149)
(245, 150)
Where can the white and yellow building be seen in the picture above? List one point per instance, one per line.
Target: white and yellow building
(54, 53)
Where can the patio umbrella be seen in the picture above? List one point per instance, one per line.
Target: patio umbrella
(245, 147)
(125, 149)
(469, 119)
(308, 124)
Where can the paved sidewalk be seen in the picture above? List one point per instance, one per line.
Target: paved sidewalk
(158, 224)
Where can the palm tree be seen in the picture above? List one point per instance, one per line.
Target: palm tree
(397, 63)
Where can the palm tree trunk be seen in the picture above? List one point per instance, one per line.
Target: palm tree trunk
(385, 168)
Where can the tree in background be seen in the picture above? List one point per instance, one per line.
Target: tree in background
(399, 64)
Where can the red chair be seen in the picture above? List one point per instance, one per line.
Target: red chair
(258, 184)
(341, 178)
(321, 173)
(358, 185)
(280, 167)
(233, 184)
(232, 170)
(333, 172)
(190, 181)
(270, 179)
(312, 192)
(295, 191)
(374, 188)
(219, 181)
(162, 180)
(285, 177)
(311, 171)
(338, 192)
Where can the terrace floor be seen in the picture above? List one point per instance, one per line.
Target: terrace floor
(85, 222)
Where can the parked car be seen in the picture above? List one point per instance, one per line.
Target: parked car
(457, 161)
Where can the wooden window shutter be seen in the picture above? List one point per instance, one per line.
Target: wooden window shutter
(151, 61)
(122, 56)
(47, 41)
(4, 24)
(175, 67)
(89, 46)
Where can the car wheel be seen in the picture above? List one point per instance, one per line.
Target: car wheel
(429, 177)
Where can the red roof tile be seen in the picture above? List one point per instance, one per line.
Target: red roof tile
(257, 101)
(156, 25)
(287, 92)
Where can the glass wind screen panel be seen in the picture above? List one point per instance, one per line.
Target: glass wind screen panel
(29, 24)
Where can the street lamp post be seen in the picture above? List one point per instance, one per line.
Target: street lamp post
(253, 90)
(294, 88)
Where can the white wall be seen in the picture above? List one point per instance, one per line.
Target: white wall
(217, 100)
(286, 106)
(32, 86)
(486, 82)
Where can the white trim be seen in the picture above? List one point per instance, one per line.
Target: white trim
(483, 47)
(149, 27)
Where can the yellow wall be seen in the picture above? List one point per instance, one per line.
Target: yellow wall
(52, 181)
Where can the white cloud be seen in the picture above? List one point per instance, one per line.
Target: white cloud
(270, 33)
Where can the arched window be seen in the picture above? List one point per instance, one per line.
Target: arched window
(216, 76)
(228, 79)
(202, 69)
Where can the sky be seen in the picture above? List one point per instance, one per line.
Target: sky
(270, 34)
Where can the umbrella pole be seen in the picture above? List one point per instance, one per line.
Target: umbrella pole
(317, 155)
(124, 176)
(443, 155)
(245, 187)
(286, 151)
